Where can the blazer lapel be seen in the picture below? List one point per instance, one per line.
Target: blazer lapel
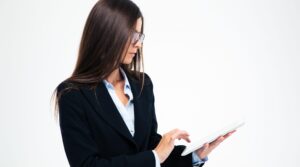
(140, 114)
(106, 108)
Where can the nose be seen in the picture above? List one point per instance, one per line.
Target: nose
(138, 44)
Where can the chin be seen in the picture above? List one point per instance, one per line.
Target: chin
(127, 61)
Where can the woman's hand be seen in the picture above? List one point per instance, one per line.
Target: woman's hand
(208, 147)
(166, 144)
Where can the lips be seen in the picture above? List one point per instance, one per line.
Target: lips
(134, 52)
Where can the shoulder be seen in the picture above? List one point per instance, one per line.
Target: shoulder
(66, 87)
(68, 91)
(147, 80)
(70, 100)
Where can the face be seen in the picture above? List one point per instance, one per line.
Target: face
(133, 47)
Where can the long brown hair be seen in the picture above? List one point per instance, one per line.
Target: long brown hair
(108, 28)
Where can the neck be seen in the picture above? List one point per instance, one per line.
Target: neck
(115, 76)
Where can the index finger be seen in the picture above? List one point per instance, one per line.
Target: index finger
(180, 134)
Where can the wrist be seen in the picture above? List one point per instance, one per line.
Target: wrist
(197, 157)
(158, 156)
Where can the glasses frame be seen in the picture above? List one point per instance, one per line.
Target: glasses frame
(137, 37)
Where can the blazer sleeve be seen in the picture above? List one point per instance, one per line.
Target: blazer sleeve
(79, 145)
(175, 159)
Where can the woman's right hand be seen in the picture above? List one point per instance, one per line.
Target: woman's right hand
(166, 144)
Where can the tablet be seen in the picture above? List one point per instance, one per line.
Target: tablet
(193, 146)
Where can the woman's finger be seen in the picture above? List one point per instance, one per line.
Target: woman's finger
(180, 134)
(205, 146)
(186, 138)
(229, 134)
(174, 134)
(217, 141)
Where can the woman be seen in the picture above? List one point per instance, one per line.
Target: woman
(106, 108)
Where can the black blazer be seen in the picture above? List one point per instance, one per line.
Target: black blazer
(95, 135)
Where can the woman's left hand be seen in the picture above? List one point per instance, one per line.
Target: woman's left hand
(208, 147)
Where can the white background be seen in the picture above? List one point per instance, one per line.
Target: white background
(211, 62)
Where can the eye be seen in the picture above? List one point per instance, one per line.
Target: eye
(135, 37)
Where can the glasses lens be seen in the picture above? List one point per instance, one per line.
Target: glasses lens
(137, 37)
(142, 37)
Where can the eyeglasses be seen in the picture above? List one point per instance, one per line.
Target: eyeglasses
(137, 37)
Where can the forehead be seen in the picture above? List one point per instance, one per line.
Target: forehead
(138, 25)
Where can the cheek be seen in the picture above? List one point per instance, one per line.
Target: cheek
(127, 58)
(125, 53)
(130, 48)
